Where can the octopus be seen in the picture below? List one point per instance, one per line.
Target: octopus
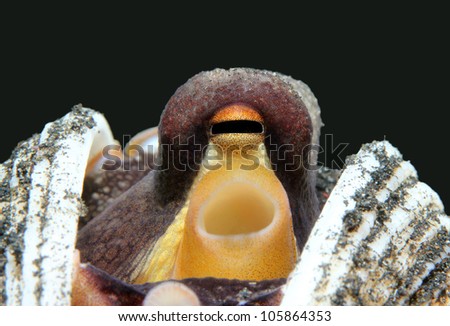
(223, 203)
(230, 196)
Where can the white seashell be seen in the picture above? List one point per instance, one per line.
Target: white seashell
(382, 238)
(41, 204)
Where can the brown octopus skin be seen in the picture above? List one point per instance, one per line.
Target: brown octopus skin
(116, 239)
(93, 287)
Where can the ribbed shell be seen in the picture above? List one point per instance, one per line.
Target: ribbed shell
(40, 201)
(381, 239)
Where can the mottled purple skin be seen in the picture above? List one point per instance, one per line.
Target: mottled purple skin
(114, 240)
(100, 189)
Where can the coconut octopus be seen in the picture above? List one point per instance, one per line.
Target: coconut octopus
(222, 204)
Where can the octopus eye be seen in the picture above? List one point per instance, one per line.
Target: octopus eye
(237, 126)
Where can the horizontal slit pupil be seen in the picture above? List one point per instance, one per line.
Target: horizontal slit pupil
(238, 126)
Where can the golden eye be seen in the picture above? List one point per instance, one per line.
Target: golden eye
(237, 124)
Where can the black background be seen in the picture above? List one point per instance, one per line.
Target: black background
(378, 72)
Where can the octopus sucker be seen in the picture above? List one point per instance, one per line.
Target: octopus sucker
(171, 294)
(145, 142)
(222, 203)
